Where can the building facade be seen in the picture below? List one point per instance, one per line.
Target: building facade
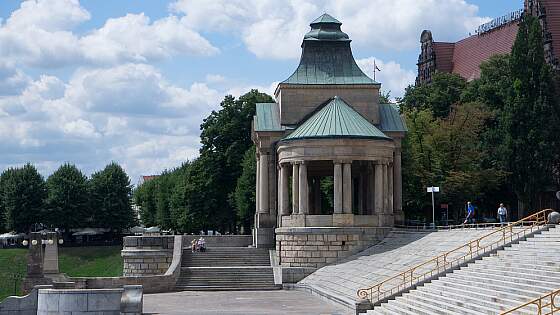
(326, 128)
(493, 38)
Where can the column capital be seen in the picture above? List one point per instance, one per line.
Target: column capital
(299, 162)
(342, 161)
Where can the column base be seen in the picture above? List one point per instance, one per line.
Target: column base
(343, 219)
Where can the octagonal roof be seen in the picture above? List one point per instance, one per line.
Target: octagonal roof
(336, 119)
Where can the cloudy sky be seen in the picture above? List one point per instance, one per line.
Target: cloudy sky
(89, 82)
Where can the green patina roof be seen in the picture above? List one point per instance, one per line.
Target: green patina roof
(336, 119)
(327, 57)
(326, 18)
(267, 117)
(390, 118)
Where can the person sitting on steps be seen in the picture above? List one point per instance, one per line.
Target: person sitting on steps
(201, 244)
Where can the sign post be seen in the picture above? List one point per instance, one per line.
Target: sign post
(433, 190)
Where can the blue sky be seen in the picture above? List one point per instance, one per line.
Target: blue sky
(92, 81)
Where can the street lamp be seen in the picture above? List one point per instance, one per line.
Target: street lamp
(433, 190)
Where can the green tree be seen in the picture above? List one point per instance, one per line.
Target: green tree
(23, 197)
(67, 198)
(244, 194)
(225, 137)
(145, 199)
(530, 118)
(446, 152)
(5, 182)
(110, 193)
(438, 96)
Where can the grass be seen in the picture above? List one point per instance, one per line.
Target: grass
(94, 261)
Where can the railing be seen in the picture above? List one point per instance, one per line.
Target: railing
(545, 304)
(454, 258)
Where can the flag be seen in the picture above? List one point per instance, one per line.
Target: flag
(376, 67)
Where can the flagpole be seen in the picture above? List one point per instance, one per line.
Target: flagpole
(374, 70)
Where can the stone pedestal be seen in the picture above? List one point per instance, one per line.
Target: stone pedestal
(314, 247)
(343, 219)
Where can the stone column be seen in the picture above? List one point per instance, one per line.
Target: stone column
(295, 188)
(390, 208)
(370, 189)
(303, 189)
(257, 186)
(337, 187)
(378, 188)
(397, 182)
(385, 188)
(317, 195)
(347, 188)
(263, 184)
(284, 196)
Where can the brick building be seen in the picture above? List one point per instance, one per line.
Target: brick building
(493, 38)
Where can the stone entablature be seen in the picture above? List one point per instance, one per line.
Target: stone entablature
(147, 255)
(314, 247)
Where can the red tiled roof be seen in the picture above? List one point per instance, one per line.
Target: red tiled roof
(444, 56)
(148, 177)
(469, 53)
(553, 21)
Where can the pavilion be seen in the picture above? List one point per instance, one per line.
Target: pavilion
(326, 127)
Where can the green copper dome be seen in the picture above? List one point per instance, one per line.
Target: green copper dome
(336, 119)
(326, 57)
(326, 27)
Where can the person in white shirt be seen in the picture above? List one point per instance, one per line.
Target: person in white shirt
(502, 214)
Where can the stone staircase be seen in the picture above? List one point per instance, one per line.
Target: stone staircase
(398, 251)
(491, 285)
(226, 268)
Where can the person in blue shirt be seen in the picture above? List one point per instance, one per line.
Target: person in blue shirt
(470, 213)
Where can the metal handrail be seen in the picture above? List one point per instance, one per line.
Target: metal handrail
(453, 258)
(545, 304)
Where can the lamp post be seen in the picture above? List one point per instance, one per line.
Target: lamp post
(433, 190)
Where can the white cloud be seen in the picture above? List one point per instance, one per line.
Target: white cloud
(134, 38)
(12, 80)
(128, 113)
(40, 34)
(274, 29)
(393, 76)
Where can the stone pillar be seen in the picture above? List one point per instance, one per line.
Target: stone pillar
(385, 188)
(263, 184)
(390, 208)
(370, 192)
(303, 189)
(50, 260)
(397, 182)
(284, 196)
(317, 195)
(295, 188)
(347, 188)
(378, 188)
(337, 187)
(257, 186)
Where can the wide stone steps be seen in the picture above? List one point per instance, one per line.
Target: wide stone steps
(491, 285)
(225, 257)
(226, 268)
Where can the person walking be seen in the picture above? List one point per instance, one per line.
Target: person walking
(502, 214)
(470, 213)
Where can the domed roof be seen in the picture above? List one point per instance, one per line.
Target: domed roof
(336, 119)
(326, 27)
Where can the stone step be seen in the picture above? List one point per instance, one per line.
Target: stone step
(514, 269)
(526, 275)
(471, 299)
(437, 305)
(485, 281)
(527, 292)
(481, 293)
(451, 303)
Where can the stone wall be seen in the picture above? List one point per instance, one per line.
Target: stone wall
(316, 247)
(147, 255)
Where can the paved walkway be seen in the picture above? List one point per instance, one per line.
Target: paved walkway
(278, 302)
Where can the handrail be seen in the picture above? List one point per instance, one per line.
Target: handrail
(453, 258)
(545, 304)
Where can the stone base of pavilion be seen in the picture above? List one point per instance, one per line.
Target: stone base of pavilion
(307, 242)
